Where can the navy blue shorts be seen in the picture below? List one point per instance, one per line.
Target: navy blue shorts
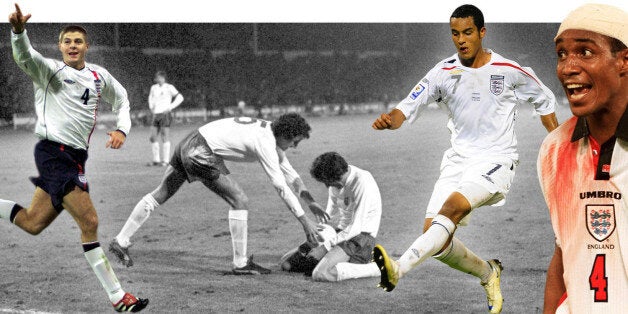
(61, 168)
(162, 120)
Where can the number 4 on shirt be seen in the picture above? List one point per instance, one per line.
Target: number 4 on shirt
(85, 96)
(598, 280)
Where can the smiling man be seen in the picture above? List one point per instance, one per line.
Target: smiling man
(200, 157)
(583, 166)
(68, 94)
(480, 90)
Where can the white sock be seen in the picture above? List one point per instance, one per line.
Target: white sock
(166, 151)
(353, 271)
(459, 257)
(100, 265)
(6, 209)
(155, 148)
(238, 226)
(139, 215)
(427, 244)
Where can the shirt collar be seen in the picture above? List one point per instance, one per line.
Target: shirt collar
(582, 129)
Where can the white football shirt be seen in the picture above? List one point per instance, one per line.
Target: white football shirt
(160, 97)
(66, 99)
(243, 139)
(481, 103)
(358, 204)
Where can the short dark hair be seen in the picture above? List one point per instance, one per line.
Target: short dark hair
(328, 167)
(616, 45)
(469, 10)
(161, 73)
(291, 125)
(73, 28)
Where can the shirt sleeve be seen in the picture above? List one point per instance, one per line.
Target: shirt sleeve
(173, 91)
(291, 176)
(367, 211)
(151, 98)
(114, 94)
(529, 88)
(424, 93)
(268, 157)
(38, 68)
(332, 203)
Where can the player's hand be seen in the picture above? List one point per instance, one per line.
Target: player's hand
(311, 232)
(319, 212)
(116, 139)
(383, 122)
(18, 20)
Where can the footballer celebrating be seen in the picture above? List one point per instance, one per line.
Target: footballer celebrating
(200, 157)
(480, 90)
(583, 166)
(162, 99)
(355, 205)
(67, 96)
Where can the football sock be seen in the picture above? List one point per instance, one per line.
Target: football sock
(155, 148)
(100, 265)
(428, 244)
(459, 257)
(9, 209)
(353, 271)
(238, 226)
(139, 215)
(166, 152)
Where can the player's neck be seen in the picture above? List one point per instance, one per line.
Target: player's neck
(76, 66)
(603, 125)
(481, 58)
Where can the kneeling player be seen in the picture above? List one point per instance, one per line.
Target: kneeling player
(355, 201)
(200, 156)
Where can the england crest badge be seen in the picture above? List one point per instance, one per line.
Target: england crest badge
(600, 221)
(497, 84)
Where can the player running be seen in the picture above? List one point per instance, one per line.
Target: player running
(163, 98)
(355, 204)
(200, 157)
(583, 166)
(479, 89)
(67, 96)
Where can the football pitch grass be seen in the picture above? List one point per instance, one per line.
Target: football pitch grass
(182, 254)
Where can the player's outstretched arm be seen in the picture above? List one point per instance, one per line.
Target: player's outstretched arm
(311, 232)
(316, 209)
(18, 20)
(554, 284)
(549, 121)
(392, 120)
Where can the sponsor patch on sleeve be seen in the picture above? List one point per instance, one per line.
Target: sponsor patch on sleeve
(417, 91)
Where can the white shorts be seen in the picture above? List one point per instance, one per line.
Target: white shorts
(482, 181)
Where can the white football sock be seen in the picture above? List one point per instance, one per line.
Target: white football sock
(139, 215)
(427, 244)
(166, 151)
(155, 148)
(6, 207)
(459, 257)
(100, 265)
(238, 226)
(353, 271)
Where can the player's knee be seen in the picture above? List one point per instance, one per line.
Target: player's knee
(89, 223)
(241, 201)
(285, 265)
(324, 273)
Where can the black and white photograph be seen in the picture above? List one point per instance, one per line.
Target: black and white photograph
(341, 157)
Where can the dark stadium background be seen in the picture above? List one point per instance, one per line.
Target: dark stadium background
(214, 65)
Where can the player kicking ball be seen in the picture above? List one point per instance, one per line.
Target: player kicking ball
(355, 203)
(67, 96)
(480, 90)
(200, 157)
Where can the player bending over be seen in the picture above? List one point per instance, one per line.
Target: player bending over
(200, 157)
(67, 96)
(479, 89)
(163, 98)
(355, 203)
